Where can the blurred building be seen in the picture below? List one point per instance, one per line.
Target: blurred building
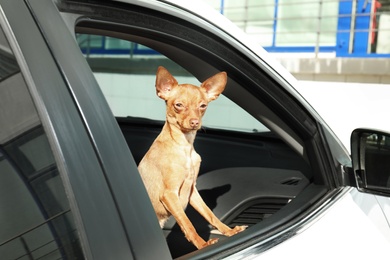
(327, 40)
(320, 40)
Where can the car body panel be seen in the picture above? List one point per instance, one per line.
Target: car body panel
(367, 103)
(334, 234)
(384, 204)
(376, 209)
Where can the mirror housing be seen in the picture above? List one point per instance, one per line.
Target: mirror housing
(371, 161)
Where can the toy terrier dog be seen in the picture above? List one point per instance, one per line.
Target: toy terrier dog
(170, 168)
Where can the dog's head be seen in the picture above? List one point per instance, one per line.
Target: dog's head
(186, 103)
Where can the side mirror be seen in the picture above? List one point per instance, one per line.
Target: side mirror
(371, 161)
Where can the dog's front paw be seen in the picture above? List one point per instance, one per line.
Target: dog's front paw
(235, 230)
(210, 242)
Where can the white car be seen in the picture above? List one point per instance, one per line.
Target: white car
(78, 111)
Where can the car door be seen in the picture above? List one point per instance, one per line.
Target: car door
(36, 217)
(79, 141)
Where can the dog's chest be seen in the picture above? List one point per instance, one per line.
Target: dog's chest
(192, 163)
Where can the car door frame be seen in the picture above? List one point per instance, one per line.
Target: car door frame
(112, 211)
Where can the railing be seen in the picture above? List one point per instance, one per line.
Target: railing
(338, 28)
(347, 28)
(50, 239)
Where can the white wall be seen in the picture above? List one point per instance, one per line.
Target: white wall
(135, 95)
(347, 106)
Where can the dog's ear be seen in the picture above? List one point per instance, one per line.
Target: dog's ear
(164, 82)
(214, 85)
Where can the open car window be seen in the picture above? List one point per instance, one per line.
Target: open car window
(246, 178)
(126, 71)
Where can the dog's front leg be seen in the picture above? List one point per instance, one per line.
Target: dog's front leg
(199, 205)
(171, 202)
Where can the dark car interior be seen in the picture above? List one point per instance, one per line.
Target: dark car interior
(244, 178)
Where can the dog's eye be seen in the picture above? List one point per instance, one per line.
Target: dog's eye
(179, 105)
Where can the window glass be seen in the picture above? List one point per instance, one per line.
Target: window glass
(284, 22)
(90, 41)
(35, 218)
(127, 80)
(299, 25)
(256, 18)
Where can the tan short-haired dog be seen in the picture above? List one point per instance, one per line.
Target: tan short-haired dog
(170, 168)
